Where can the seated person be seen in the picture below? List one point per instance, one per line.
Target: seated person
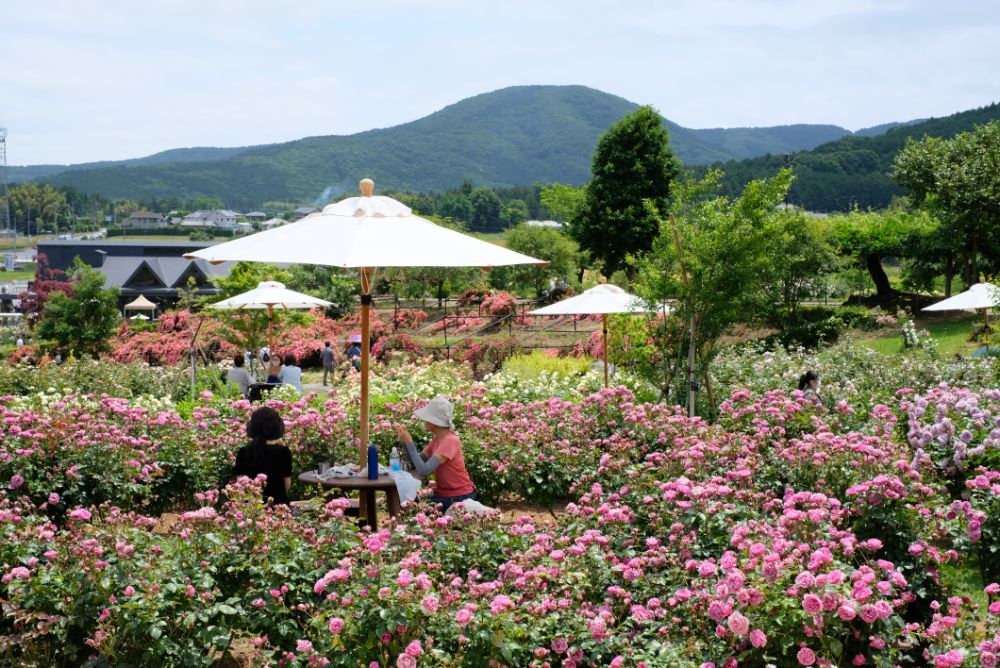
(290, 374)
(442, 456)
(239, 376)
(273, 369)
(265, 454)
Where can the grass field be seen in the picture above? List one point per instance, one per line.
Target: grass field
(951, 333)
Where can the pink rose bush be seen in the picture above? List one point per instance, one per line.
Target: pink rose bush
(777, 533)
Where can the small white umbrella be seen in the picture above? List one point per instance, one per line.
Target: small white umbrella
(980, 296)
(139, 316)
(599, 300)
(270, 295)
(364, 233)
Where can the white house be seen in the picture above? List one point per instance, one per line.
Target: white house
(213, 218)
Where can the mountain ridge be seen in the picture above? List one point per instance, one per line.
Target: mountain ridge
(512, 136)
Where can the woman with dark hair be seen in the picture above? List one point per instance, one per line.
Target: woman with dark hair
(290, 373)
(809, 386)
(265, 454)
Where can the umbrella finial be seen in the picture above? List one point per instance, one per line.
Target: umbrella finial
(367, 187)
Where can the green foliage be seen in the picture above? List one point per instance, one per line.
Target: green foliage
(530, 366)
(959, 180)
(338, 286)
(85, 319)
(514, 213)
(868, 237)
(543, 243)
(517, 135)
(485, 210)
(852, 171)
(563, 202)
(37, 203)
(717, 260)
(631, 174)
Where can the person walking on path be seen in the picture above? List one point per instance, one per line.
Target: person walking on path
(329, 360)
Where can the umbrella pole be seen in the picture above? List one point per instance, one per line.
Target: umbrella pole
(366, 301)
(605, 335)
(270, 330)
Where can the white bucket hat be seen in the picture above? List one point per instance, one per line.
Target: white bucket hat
(438, 411)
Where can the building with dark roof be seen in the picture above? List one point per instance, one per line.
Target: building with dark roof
(156, 269)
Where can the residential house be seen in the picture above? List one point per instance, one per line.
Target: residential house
(302, 212)
(145, 220)
(210, 218)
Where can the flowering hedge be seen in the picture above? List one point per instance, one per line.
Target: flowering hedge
(783, 533)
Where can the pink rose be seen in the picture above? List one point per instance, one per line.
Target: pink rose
(806, 656)
(869, 613)
(54, 499)
(758, 638)
(15, 482)
(738, 624)
(404, 660)
(303, 646)
(463, 616)
(336, 625)
(414, 648)
(847, 612)
(559, 645)
(79, 514)
(812, 603)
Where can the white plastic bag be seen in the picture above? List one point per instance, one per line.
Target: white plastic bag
(406, 485)
(469, 507)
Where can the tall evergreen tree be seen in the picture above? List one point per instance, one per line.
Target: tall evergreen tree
(633, 163)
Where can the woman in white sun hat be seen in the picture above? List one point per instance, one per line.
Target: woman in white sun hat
(442, 456)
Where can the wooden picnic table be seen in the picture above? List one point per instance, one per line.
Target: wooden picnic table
(366, 491)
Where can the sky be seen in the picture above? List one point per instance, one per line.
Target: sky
(87, 80)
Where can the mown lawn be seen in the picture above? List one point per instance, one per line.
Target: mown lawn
(950, 331)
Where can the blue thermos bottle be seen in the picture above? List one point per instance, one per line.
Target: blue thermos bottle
(372, 462)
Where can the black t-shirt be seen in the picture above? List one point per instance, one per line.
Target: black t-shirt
(276, 465)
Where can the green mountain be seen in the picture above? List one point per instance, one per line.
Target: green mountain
(513, 136)
(196, 154)
(851, 171)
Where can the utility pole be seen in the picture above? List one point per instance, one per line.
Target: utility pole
(6, 192)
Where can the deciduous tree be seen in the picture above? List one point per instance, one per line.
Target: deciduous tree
(84, 319)
(632, 170)
(958, 179)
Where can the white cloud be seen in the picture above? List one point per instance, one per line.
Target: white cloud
(114, 79)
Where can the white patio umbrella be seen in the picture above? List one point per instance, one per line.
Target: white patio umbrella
(270, 295)
(980, 296)
(139, 316)
(599, 300)
(364, 233)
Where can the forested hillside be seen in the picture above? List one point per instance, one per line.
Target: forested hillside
(852, 170)
(514, 136)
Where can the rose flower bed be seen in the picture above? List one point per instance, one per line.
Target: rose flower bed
(782, 534)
